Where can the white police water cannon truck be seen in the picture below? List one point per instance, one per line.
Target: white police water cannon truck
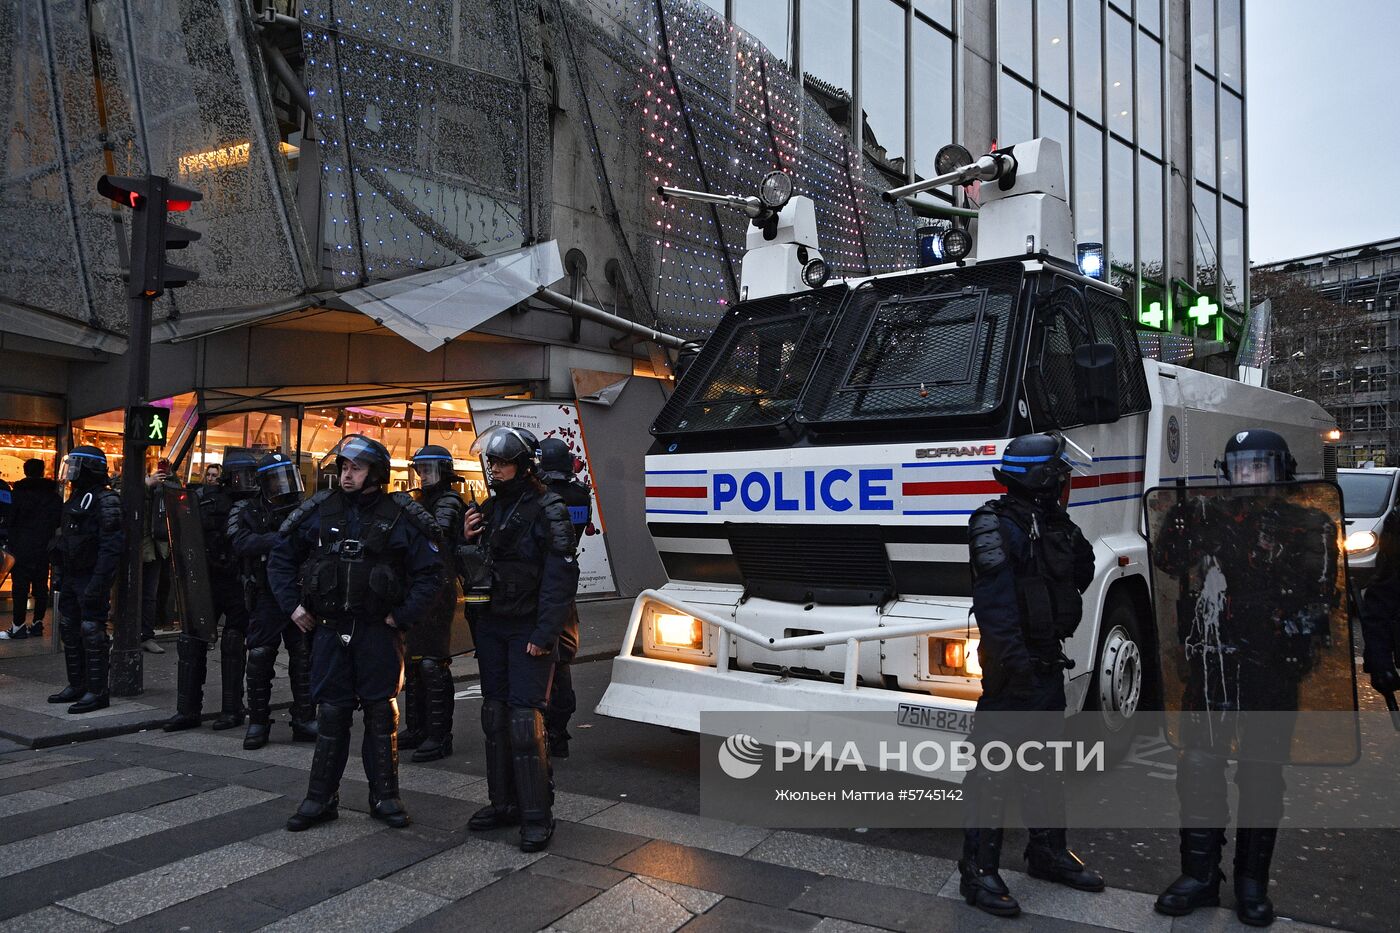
(813, 472)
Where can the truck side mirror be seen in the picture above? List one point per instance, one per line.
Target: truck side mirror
(1097, 367)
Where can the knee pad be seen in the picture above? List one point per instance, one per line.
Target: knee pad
(495, 717)
(380, 716)
(262, 656)
(429, 666)
(70, 632)
(334, 721)
(526, 727)
(94, 632)
(1197, 766)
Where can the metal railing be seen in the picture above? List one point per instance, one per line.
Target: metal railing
(728, 628)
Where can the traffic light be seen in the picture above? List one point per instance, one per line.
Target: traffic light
(151, 197)
(147, 425)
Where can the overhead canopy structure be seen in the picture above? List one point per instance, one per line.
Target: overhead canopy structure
(271, 398)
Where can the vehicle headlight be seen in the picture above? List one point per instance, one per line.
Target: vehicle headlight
(1361, 543)
(669, 633)
(953, 656)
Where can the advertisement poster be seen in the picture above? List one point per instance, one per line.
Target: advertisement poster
(552, 419)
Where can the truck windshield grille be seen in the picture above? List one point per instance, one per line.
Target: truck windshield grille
(790, 563)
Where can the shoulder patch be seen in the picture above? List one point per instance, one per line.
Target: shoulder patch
(985, 544)
(301, 511)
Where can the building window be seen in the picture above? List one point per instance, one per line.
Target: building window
(1231, 145)
(1151, 213)
(1017, 117)
(1088, 58)
(1229, 37)
(1150, 16)
(1203, 34)
(1121, 241)
(940, 11)
(1149, 96)
(1088, 182)
(826, 41)
(1120, 74)
(1205, 239)
(882, 74)
(1203, 126)
(1014, 19)
(768, 21)
(933, 95)
(1052, 41)
(1233, 284)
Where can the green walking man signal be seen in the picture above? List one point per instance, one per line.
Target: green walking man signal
(148, 425)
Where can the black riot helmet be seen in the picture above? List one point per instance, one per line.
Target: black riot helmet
(240, 475)
(365, 450)
(504, 442)
(1034, 466)
(433, 464)
(280, 481)
(84, 466)
(555, 456)
(1257, 456)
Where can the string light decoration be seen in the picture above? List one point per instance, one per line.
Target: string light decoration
(675, 95)
(422, 106)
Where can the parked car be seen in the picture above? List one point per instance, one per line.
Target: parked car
(1368, 496)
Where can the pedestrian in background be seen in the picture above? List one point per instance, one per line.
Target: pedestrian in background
(36, 512)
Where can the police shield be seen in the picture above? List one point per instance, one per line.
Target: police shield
(1253, 628)
(190, 578)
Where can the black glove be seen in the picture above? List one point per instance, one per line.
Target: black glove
(1385, 680)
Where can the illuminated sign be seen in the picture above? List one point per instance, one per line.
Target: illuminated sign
(1158, 314)
(225, 157)
(148, 424)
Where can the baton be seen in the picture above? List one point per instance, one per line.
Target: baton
(1393, 707)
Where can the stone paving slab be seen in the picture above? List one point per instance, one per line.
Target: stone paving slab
(74, 812)
(53, 920)
(858, 862)
(378, 905)
(696, 900)
(585, 873)
(348, 828)
(38, 851)
(730, 875)
(593, 843)
(28, 800)
(37, 762)
(465, 869)
(628, 907)
(223, 911)
(182, 880)
(681, 828)
(519, 903)
(735, 916)
(1223, 920)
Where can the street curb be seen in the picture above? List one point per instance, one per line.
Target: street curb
(130, 728)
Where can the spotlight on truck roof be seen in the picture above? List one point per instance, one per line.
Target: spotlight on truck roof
(957, 243)
(776, 190)
(951, 157)
(1091, 260)
(815, 273)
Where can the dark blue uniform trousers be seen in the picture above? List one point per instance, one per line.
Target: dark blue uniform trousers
(509, 673)
(369, 668)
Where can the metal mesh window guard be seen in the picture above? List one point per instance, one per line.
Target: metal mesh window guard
(924, 345)
(752, 370)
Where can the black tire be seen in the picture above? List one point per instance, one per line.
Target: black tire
(1117, 707)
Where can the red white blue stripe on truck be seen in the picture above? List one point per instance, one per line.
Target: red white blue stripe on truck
(867, 490)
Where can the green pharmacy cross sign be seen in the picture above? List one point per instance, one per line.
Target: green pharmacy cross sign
(1201, 313)
(148, 424)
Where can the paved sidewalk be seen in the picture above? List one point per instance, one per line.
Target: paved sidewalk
(28, 719)
(183, 832)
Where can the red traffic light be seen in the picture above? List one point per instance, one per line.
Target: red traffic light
(134, 192)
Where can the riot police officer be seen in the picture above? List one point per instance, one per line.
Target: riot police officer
(429, 692)
(356, 567)
(88, 553)
(1245, 660)
(528, 540)
(237, 482)
(252, 532)
(1030, 564)
(557, 472)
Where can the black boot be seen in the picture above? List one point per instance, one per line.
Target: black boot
(322, 801)
(381, 757)
(500, 770)
(1254, 850)
(303, 709)
(1199, 884)
(234, 659)
(415, 706)
(74, 662)
(190, 671)
(981, 884)
(532, 784)
(1049, 858)
(97, 659)
(260, 661)
(439, 692)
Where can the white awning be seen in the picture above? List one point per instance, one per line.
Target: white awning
(431, 308)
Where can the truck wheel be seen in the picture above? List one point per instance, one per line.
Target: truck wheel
(1117, 687)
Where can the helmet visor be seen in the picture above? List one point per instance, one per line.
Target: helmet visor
(432, 471)
(1244, 467)
(242, 477)
(360, 449)
(75, 463)
(280, 479)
